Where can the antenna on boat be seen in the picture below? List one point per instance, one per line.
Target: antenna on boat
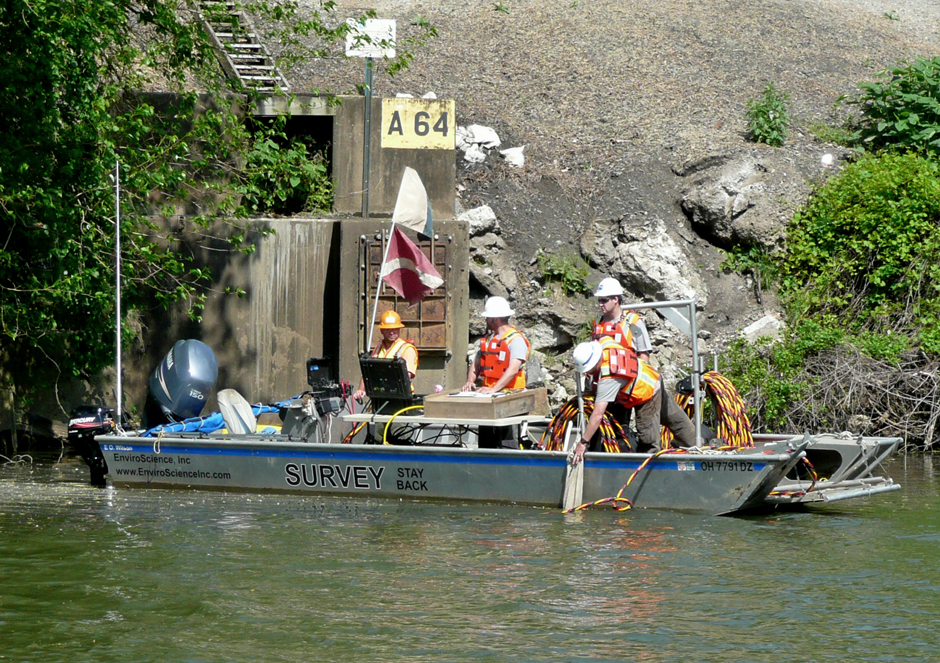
(696, 373)
(117, 287)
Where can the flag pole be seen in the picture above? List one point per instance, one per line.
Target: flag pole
(378, 289)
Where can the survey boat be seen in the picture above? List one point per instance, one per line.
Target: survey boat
(439, 460)
(704, 481)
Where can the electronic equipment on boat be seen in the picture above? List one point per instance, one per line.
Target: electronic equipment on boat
(387, 383)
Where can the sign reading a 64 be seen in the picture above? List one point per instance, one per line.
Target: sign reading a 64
(418, 124)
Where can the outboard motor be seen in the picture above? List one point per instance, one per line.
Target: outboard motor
(85, 422)
(182, 383)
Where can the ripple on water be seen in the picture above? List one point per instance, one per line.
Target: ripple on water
(169, 575)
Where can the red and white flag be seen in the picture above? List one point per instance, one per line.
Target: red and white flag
(407, 270)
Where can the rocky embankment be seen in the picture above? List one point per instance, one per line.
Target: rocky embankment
(630, 117)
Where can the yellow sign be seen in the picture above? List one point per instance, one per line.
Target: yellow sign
(418, 124)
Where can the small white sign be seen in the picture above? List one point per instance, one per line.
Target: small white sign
(375, 39)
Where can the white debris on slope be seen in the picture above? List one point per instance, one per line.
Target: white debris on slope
(476, 140)
(514, 156)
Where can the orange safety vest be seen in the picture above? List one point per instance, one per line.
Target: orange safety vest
(620, 362)
(620, 331)
(394, 351)
(494, 359)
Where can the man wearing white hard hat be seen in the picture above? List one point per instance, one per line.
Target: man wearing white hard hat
(500, 359)
(624, 326)
(621, 377)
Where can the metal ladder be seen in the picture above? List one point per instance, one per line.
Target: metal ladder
(240, 52)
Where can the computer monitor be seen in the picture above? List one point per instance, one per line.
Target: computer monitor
(387, 383)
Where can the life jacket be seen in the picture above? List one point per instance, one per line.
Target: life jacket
(617, 361)
(494, 359)
(620, 331)
(620, 362)
(394, 351)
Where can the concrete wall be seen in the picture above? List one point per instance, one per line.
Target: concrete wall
(436, 167)
(261, 340)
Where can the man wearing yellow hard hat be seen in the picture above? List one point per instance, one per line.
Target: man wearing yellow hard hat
(392, 347)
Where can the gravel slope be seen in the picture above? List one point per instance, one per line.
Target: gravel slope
(582, 84)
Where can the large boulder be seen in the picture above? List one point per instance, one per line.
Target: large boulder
(481, 220)
(553, 323)
(747, 197)
(645, 258)
(491, 263)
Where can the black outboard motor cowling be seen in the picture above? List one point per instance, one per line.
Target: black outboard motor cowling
(184, 380)
(85, 422)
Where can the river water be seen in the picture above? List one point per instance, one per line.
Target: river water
(156, 575)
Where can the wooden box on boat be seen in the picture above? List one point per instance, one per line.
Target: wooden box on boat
(452, 405)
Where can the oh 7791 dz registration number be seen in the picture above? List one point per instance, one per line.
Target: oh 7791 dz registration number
(728, 465)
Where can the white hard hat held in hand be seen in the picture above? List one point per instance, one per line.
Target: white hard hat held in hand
(496, 307)
(609, 287)
(586, 356)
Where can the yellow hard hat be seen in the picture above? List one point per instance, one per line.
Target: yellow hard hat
(390, 320)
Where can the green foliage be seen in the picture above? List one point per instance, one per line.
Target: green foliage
(902, 108)
(282, 177)
(771, 376)
(786, 383)
(865, 250)
(752, 260)
(839, 135)
(892, 15)
(768, 120)
(501, 7)
(568, 271)
(884, 347)
(69, 70)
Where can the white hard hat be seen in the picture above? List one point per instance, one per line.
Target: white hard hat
(608, 288)
(586, 356)
(496, 307)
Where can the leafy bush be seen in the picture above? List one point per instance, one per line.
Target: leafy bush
(865, 250)
(768, 120)
(281, 177)
(771, 375)
(755, 261)
(817, 377)
(567, 270)
(902, 107)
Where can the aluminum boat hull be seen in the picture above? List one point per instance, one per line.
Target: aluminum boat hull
(714, 482)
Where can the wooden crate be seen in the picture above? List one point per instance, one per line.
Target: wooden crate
(496, 406)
